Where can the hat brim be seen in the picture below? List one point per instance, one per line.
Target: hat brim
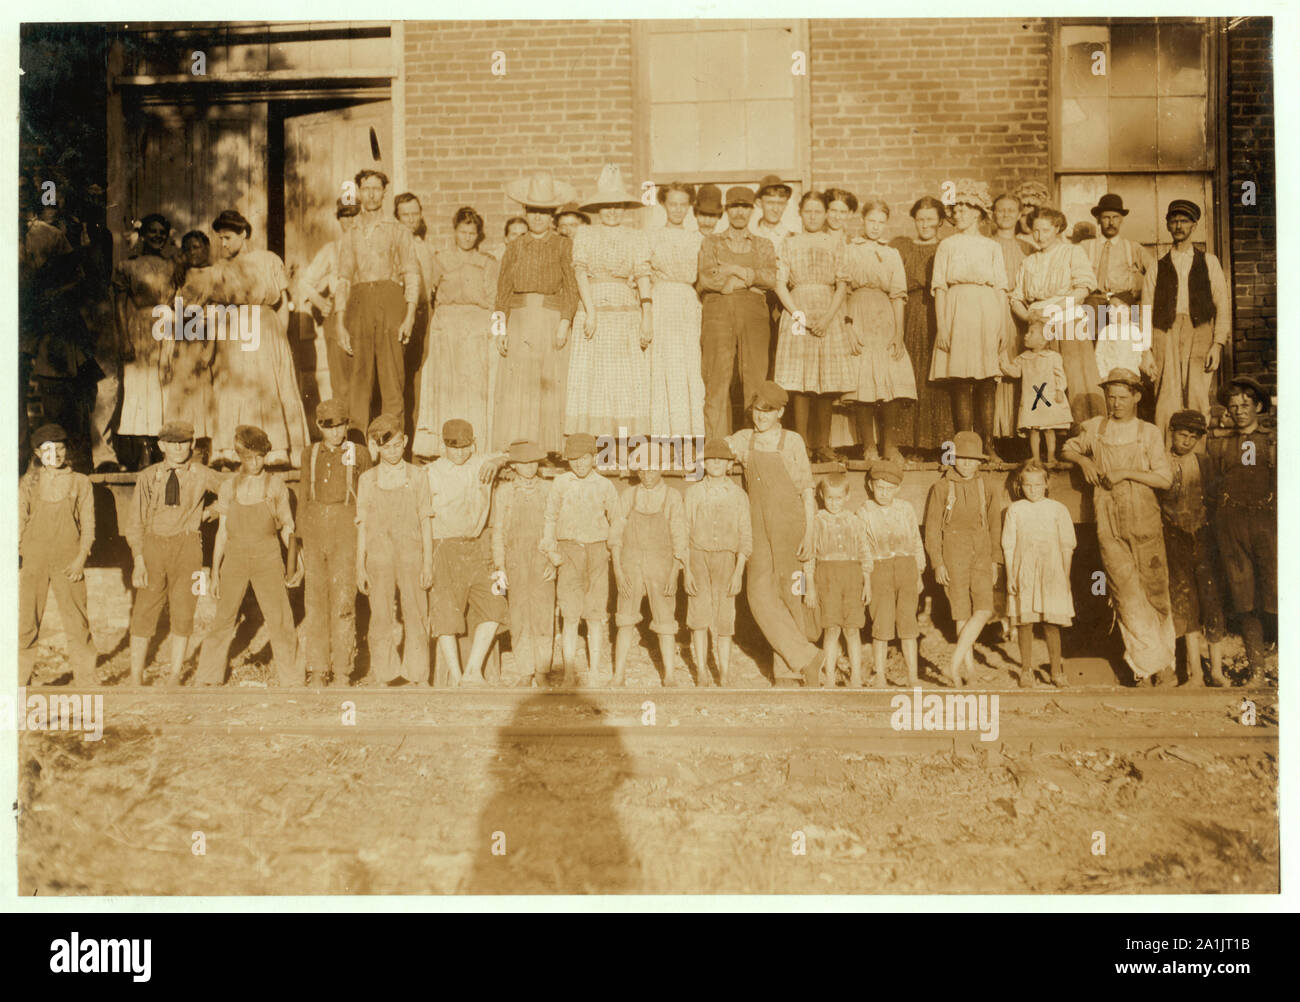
(517, 191)
(1258, 392)
(1097, 211)
(967, 455)
(1131, 384)
(784, 189)
(612, 203)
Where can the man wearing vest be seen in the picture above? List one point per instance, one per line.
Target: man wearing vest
(1191, 316)
(327, 512)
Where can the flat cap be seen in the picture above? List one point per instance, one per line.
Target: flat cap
(769, 397)
(1124, 377)
(739, 195)
(887, 470)
(384, 429)
(580, 444)
(1189, 420)
(1253, 386)
(1184, 206)
(457, 433)
(330, 413)
(252, 438)
(717, 448)
(176, 431)
(526, 452)
(967, 445)
(48, 433)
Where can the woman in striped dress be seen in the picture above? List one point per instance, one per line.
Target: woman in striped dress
(813, 356)
(676, 379)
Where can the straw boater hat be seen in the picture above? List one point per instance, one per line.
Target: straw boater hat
(540, 189)
(610, 192)
(974, 193)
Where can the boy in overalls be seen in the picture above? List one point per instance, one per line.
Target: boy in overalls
(327, 522)
(648, 544)
(393, 511)
(518, 520)
(56, 529)
(254, 508)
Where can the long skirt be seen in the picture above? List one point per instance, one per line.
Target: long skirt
(524, 405)
(809, 363)
(929, 424)
(187, 395)
(975, 316)
(454, 377)
(142, 384)
(609, 373)
(676, 378)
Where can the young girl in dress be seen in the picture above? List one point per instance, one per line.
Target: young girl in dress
(1044, 407)
(1038, 543)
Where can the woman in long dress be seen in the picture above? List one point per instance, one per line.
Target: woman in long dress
(139, 284)
(877, 298)
(1006, 214)
(928, 425)
(254, 378)
(609, 368)
(455, 379)
(676, 375)
(187, 363)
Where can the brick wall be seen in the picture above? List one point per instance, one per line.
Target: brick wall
(563, 104)
(900, 106)
(1253, 227)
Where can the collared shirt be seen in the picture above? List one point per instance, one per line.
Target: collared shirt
(379, 250)
(1239, 482)
(1126, 265)
(757, 253)
(652, 501)
(275, 492)
(892, 531)
(385, 477)
(793, 454)
(1182, 263)
(322, 274)
(149, 512)
(965, 517)
(718, 519)
(842, 536)
(542, 265)
(775, 233)
(520, 493)
(331, 473)
(78, 489)
(461, 500)
(580, 509)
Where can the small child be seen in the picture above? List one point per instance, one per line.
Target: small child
(898, 560)
(56, 529)
(648, 542)
(581, 509)
(253, 506)
(1245, 521)
(518, 520)
(721, 539)
(460, 493)
(837, 578)
(1189, 547)
(327, 523)
(961, 527)
(1038, 543)
(1044, 407)
(393, 511)
(163, 532)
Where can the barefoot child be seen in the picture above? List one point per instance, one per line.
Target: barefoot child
(1038, 543)
(254, 508)
(898, 559)
(961, 527)
(837, 579)
(721, 541)
(163, 532)
(1044, 407)
(518, 518)
(393, 512)
(327, 524)
(1190, 549)
(460, 493)
(648, 543)
(56, 529)
(582, 506)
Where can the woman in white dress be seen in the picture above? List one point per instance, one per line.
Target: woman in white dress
(676, 379)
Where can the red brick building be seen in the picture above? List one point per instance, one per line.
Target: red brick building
(1154, 109)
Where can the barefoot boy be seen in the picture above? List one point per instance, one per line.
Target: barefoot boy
(898, 558)
(838, 578)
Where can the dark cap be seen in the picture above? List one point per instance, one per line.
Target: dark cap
(384, 429)
(1109, 202)
(526, 452)
(708, 200)
(769, 397)
(1253, 386)
(580, 444)
(1189, 420)
(230, 219)
(457, 433)
(252, 438)
(48, 433)
(1185, 207)
(771, 181)
(342, 209)
(717, 448)
(967, 445)
(739, 195)
(331, 413)
(176, 431)
(887, 470)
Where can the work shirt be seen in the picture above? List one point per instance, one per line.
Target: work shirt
(748, 251)
(1120, 265)
(794, 456)
(965, 517)
(541, 265)
(520, 492)
(652, 501)
(274, 491)
(1182, 263)
(461, 501)
(77, 488)
(841, 536)
(1240, 484)
(718, 519)
(149, 512)
(330, 473)
(892, 531)
(580, 509)
(1183, 505)
(379, 250)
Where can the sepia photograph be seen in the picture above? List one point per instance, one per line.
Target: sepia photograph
(646, 456)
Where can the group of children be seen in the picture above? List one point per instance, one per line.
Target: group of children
(495, 552)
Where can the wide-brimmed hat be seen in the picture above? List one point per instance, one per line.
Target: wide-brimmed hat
(1109, 202)
(571, 209)
(972, 192)
(967, 445)
(708, 200)
(1123, 377)
(231, 219)
(769, 182)
(541, 190)
(610, 192)
(1262, 396)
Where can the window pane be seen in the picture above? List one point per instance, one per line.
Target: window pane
(1133, 60)
(1182, 59)
(668, 53)
(1139, 194)
(722, 135)
(770, 124)
(674, 137)
(720, 67)
(1085, 132)
(1133, 132)
(1078, 43)
(1182, 133)
(1079, 193)
(769, 63)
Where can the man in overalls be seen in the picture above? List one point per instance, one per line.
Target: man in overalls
(1125, 461)
(782, 509)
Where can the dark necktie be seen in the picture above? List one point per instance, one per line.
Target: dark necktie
(172, 497)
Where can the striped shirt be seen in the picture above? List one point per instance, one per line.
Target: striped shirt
(539, 265)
